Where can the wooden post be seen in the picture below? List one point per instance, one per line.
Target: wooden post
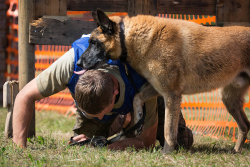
(26, 51)
(233, 12)
(8, 132)
(10, 90)
(146, 7)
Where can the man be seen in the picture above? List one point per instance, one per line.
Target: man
(60, 75)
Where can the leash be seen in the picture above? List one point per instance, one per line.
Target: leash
(101, 141)
(124, 54)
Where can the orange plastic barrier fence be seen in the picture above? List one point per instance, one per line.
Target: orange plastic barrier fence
(199, 19)
(12, 37)
(45, 56)
(204, 113)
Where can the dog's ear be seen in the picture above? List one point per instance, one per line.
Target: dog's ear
(94, 15)
(105, 23)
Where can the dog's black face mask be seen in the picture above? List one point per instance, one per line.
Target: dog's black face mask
(96, 55)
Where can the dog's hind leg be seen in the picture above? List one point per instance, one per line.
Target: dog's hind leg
(233, 98)
(172, 111)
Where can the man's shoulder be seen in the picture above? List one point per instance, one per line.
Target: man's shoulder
(107, 67)
(113, 70)
(57, 76)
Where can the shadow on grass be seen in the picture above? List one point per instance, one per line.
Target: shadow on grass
(214, 149)
(217, 148)
(246, 146)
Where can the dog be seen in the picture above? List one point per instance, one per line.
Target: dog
(176, 57)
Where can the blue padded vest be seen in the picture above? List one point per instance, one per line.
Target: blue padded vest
(80, 46)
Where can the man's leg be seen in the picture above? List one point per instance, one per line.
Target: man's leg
(184, 136)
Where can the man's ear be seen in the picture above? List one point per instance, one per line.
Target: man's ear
(105, 23)
(116, 92)
(94, 15)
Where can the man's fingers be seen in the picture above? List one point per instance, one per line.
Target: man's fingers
(80, 138)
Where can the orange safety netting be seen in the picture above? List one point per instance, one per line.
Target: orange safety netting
(204, 113)
(45, 56)
(199, 19)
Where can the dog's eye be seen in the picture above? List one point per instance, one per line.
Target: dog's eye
(93, 42)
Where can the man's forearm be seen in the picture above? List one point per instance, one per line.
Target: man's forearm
(129, 142)
(21, 119)
(145, 140)
(23, 110)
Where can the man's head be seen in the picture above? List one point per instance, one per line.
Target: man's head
(95, 93)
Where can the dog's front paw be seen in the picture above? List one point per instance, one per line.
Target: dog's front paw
(139, 130)
(137, 117)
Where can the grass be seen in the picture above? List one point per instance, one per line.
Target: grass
(50, 148)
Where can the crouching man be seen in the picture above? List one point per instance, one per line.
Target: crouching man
(104, 98)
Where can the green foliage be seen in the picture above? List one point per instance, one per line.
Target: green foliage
(2, 150)
(29, 140)
(3, 115)
(40, 140)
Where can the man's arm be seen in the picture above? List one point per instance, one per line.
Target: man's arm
(145, 140)
(22, 114)
(52, 80)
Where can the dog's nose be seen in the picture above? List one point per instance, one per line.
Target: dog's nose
(79, 63)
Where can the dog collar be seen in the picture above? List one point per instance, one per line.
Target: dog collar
(123, 56)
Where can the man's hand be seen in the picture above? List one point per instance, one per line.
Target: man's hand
(80, 138)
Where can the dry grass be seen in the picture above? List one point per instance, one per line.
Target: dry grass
(50, 148)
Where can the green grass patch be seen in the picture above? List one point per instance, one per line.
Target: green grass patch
(3, 115)
(46, 121)
(52, 121)
(50, 148)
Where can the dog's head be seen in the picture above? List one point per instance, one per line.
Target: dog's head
(104, 42)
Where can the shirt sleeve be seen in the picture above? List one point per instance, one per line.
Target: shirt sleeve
(56, 78)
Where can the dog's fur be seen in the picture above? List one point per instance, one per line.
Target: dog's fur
(178, 57)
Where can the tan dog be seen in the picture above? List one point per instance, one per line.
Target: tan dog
(177, 57)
